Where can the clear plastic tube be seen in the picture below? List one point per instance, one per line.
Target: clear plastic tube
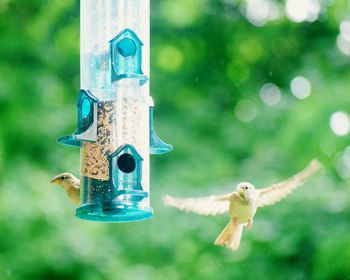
(115, 112)
(115, 68)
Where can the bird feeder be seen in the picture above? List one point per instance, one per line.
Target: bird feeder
(115, 112)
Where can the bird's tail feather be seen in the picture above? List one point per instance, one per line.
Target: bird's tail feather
(230, 236)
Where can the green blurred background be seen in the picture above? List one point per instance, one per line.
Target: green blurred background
(245, 90)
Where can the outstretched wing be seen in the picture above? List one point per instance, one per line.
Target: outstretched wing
(208, 205)
(276, 192)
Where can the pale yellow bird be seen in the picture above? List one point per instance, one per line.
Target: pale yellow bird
(70, 184)
(241, 204)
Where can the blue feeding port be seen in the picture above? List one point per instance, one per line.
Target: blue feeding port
(126, 58)
(117, 199)
(87, 121)
(127, 47)
(85, 108)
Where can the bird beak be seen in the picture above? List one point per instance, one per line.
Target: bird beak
(55, 181)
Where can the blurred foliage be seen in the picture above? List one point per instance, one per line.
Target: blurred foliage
(209, 62)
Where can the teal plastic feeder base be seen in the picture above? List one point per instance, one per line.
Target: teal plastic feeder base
(113, 212)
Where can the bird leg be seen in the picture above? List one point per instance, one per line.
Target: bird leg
(249, 224)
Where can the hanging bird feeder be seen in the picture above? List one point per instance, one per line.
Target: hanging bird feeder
(115, 112)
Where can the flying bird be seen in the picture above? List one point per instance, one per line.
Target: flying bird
(70, 184)
(241, 204)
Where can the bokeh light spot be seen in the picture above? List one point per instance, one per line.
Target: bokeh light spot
(259, 12)
(170, 58)
(251, 50)
(270, 94)
(302, 10)
(245, 111)
(343, 164)
(343, 44)
(300, 87)
(182, 13)
(345, 29)
(340, 123)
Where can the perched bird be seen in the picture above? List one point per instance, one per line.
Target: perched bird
(241, 204)
(70, 184)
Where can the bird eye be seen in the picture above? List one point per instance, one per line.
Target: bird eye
(246, 187)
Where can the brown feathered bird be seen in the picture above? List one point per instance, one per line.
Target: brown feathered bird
(70, 184)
